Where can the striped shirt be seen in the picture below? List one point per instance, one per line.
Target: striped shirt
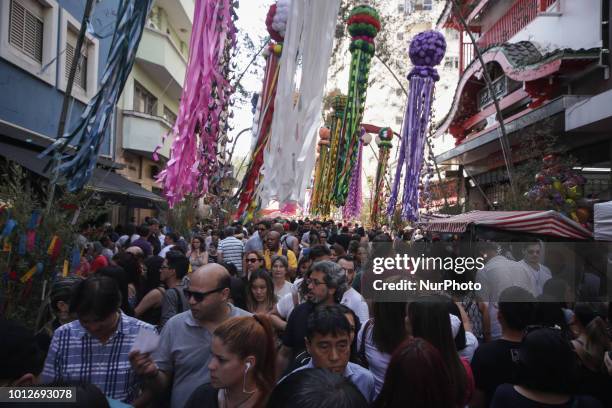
(232, 249)
(77, 356)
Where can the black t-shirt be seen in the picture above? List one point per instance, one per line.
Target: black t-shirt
(296, 327)
(598, 385)
(203, 396)
(507, 397)
(493, 364)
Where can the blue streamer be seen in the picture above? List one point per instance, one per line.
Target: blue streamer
(75, 259)
(89, 132)
(34, 220)
(21, 249)
(40, 267)
(8, 228)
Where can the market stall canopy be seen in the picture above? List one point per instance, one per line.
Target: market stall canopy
(603, 221)
(533, 222)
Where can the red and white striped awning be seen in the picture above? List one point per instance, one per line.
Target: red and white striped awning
(534, 222)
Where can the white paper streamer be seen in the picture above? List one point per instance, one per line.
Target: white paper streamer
(290, 157)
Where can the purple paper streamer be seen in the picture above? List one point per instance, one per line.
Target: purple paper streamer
(426, 50)
(352, 208)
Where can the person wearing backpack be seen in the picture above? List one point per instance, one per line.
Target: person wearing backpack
(173, 270)
(273, 247)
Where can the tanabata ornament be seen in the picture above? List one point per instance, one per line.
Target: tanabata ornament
(426, 51)
(384, 140)
(276, 23)
(93, 125)
(203, 111)
(352, 207)
(363, 25)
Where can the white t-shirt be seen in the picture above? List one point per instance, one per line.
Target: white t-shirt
(471, 344)
(286, 289)
(377, 360)
(354, 301)
(285, 306)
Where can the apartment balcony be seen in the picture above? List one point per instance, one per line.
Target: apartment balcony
(161, 59)
(180, 12)
(142, 134)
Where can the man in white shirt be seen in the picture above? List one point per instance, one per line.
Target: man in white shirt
(351, 298)
(498, 274)
(537, 272)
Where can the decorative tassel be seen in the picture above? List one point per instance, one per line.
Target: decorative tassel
(426, 51)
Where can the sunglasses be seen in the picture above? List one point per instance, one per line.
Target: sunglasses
(253, 260)
(199, 296)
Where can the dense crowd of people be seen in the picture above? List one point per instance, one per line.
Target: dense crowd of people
(271, 314)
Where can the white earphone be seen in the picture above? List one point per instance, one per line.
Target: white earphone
(247, 366)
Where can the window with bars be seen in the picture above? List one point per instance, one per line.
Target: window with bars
(144, 101)
(80, 77)
(421, 5)
(169, 115)
(26, 30)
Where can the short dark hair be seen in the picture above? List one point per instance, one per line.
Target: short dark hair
(143, 230)
(347, 258)
(97, 296)
(546, 359)
(327, 319)
(228, 232)
(19, 351)
(318, 251)
(517, 306)
(179, 262)
(173, 236)
(316, 388)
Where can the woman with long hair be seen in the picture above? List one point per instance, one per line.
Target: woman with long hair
(242, 366)
(280, 270)
(416, 377)
(149, 308)
(260, 297)
(380, 336)
(133, 275)
(197, 254)
(428, 318)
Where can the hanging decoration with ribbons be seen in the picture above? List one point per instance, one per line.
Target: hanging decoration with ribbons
(91, 128)
(384, 141)
(203, 111)
(276, 23)
(426, 51)
(322, 206)
(322, 161)
(352, 207)
(363, 25)
(290, 155)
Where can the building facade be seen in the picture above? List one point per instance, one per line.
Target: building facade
(149, 104)
(548, 61)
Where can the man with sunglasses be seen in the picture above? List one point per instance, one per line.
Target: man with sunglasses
(181, 360)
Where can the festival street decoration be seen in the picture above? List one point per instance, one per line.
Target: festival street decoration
(203, 111)
(276, 23)
(384, 141)
(559, 187)
(325, 188)
(289, 158)
(352, 207)
(363, 26)
(320, 167)
(426, 51)
(92, 126)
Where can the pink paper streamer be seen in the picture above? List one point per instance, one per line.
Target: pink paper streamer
(30, 240)
(206, 92)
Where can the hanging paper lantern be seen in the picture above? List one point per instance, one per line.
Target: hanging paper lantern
(426, 51)
(276, 19)
(363, 26)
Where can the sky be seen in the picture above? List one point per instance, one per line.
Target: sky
(251, 20)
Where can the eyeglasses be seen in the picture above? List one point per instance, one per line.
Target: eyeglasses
(199, 296)
(253, 260)
(314, 282)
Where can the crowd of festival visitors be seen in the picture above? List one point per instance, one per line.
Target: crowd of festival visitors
(271, 315)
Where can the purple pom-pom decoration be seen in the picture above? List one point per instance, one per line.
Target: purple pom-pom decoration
(426, 51)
